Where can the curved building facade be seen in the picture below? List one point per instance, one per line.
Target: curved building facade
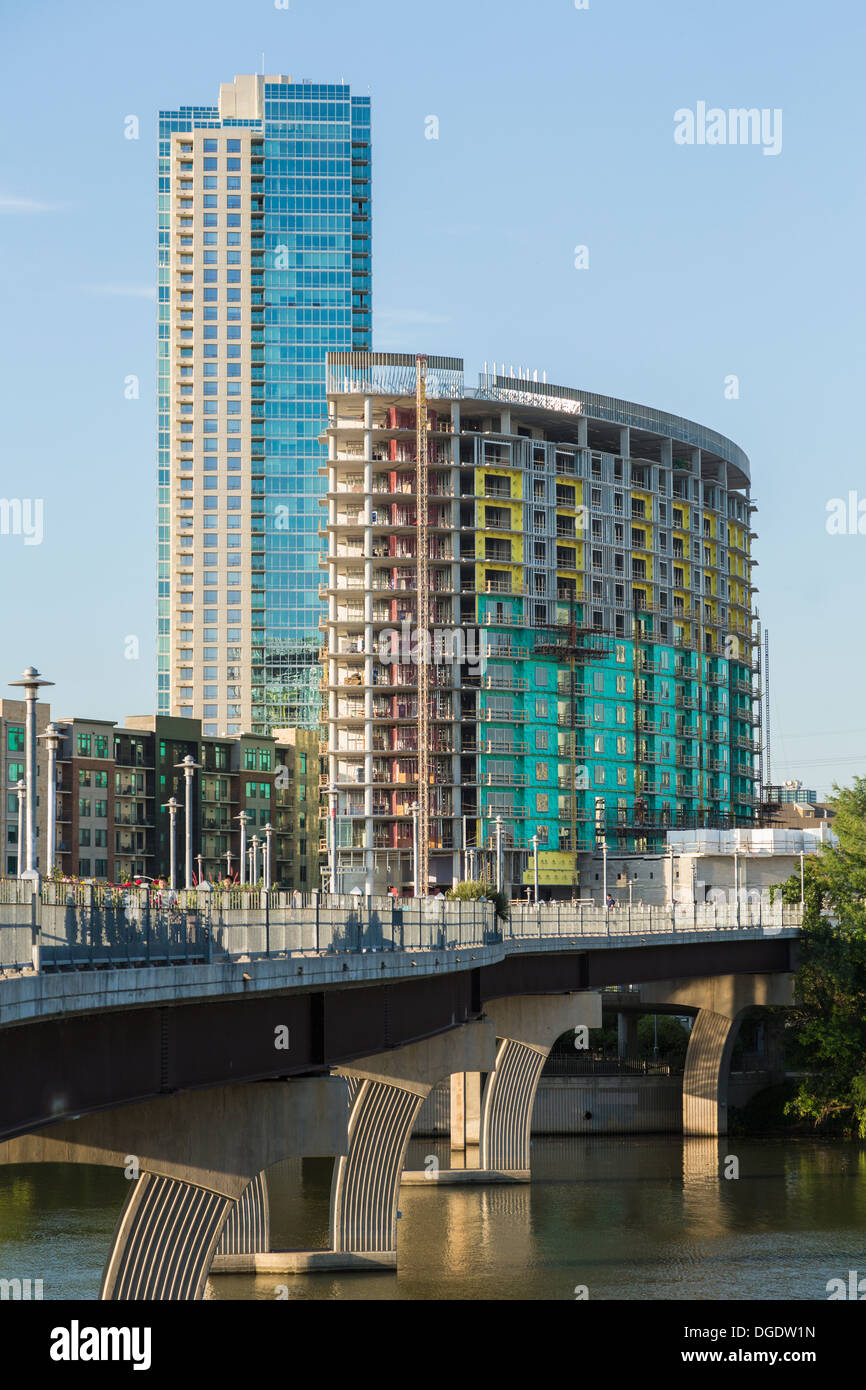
(591, 649)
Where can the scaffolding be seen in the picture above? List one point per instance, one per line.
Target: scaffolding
(422, 545)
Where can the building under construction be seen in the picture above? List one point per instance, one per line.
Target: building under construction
(538, 627)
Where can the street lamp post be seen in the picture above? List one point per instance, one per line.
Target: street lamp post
(416, 887)
(198, 860)
(172, 806)
(332, 794)
(535, 865)
(255, 848)
(21, 789)
(499, 854)
(604, 871)
(802, 880)
(188, 766)
(228, 859)
(31, 682)
(51, 738)
(269, 833)
(243, 817)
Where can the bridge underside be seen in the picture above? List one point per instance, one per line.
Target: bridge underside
(200, 1202)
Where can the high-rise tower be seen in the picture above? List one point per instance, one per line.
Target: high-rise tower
(264, 266)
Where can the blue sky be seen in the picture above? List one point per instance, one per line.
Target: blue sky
(555, 130)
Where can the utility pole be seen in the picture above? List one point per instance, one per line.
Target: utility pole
(51, 738)
(172, 807)
(188, 766)
(535, 865)
(32, 683)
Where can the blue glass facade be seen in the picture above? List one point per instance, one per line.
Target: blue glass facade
(313, 246)
(317, 298)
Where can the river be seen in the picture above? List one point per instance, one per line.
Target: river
(627, 1217)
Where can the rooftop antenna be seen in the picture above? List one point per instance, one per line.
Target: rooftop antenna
(263, 65)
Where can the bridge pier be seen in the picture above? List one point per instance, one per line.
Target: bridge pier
(526, 1028)
(195, 1154)
(386, 1092)
(722, 1002)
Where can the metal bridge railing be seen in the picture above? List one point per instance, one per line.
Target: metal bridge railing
(86, 926)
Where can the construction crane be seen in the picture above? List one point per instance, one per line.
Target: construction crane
(422, 546)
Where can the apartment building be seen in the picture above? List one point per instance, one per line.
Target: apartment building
(592, 657)
(264, 263)
(114, 782)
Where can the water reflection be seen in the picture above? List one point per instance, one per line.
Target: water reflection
(631, 1217)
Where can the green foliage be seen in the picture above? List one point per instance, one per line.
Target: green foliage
(473, 890)
(830, 986)
(673, 1037)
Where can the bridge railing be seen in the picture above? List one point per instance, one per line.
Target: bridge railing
(563, 919)
(72, 927)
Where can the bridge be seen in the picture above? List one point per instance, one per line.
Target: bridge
(212, 1036)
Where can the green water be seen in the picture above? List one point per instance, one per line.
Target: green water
(632, 1217)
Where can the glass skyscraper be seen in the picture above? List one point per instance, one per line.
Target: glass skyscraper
(264, 266)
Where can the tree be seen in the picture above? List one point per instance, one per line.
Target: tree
(473, 890)
(829, 1019)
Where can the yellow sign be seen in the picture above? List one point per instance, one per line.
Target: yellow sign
(554, 867)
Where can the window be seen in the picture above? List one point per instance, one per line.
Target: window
(598, 713)
(621, 747)
(84, 836)
(598, 776)
(100, 809)
(84, 745)
(541, 772)
(84, 806)
(622, 776)
(621, 687)
(540, 707)
(598, 743)
(541, 802)
(620, 714)
(541, 740)
(84, 777)
(101, 746)
(540, 677)
(16, 739)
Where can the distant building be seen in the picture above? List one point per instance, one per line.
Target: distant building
(113, 783)
(264, 264)
(590, 589)
(793, 790)
(12, 714)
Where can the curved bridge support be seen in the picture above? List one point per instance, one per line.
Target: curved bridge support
(386, 1092)
(722, 1002)
(248, 1228)
(526, 1028)
(164, 1241)
(367, 1181)
(196, 1155)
